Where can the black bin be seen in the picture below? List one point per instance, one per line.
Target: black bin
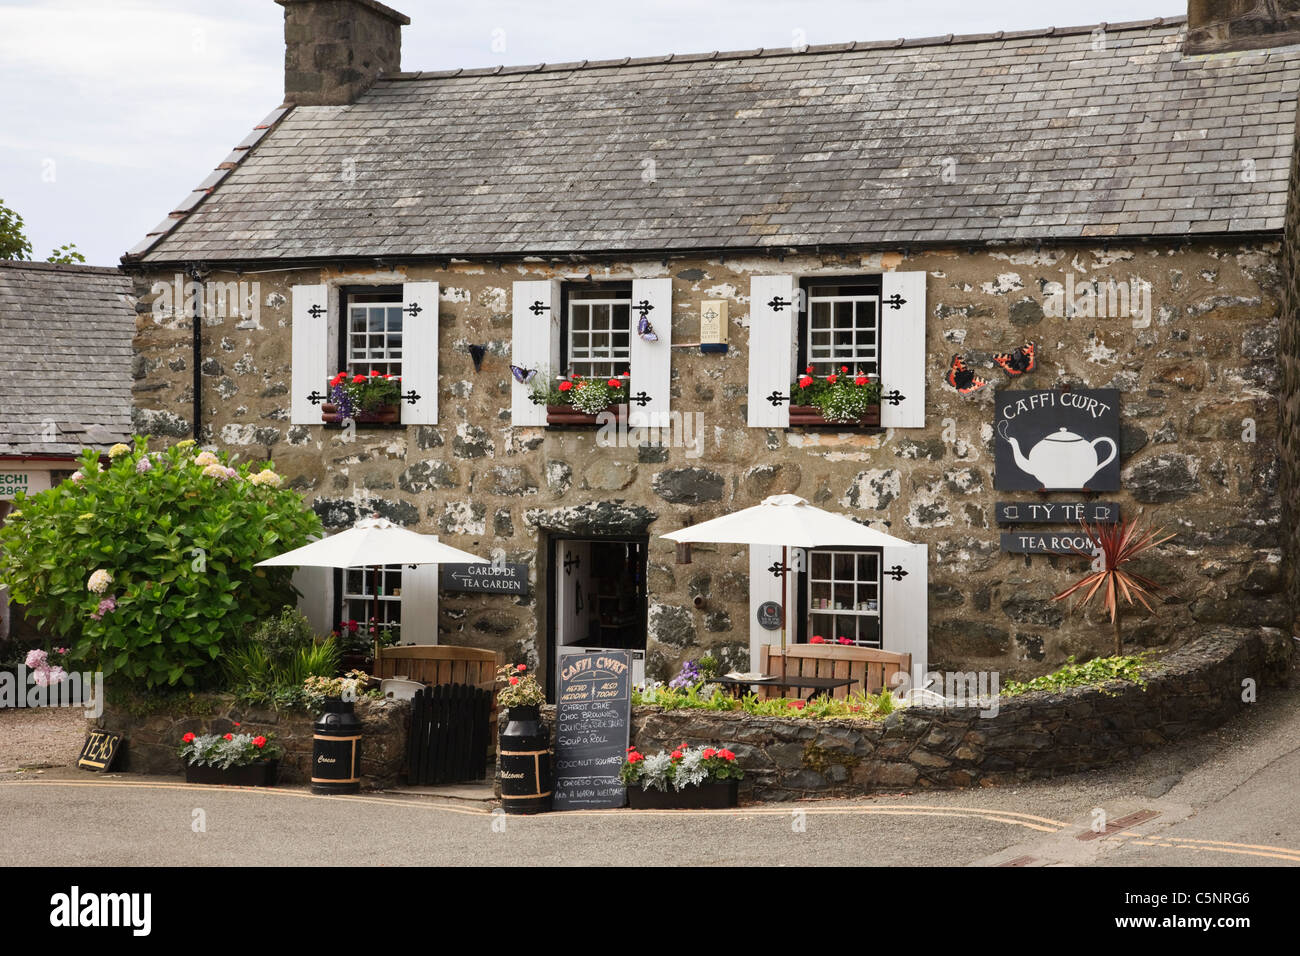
(336, 750)
(525, 755)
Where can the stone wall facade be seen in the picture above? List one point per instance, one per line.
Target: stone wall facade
(152, 740)
(1039, 734)
(1198, 371)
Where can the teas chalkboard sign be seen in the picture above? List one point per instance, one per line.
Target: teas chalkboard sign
(492, 578)
(1053, 439)
(100, 750)
(593, 709)
(1057, 512)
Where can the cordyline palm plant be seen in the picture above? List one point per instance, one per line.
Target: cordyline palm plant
(1118, 543)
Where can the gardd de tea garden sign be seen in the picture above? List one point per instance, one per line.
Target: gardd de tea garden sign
(1057, 440)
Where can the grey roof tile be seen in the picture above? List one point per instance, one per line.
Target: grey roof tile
(1051, 138)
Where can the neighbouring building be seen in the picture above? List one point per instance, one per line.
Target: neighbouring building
(712, 224)
(65, 380)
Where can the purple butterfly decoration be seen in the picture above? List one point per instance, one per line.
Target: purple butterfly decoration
(522, 375)
(646, 330)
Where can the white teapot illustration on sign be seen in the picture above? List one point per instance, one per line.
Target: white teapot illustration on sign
(1062, 459)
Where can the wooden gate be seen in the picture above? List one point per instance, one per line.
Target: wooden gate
(450, 733)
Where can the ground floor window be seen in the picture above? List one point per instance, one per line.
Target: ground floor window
(356, 588)
(841, 597)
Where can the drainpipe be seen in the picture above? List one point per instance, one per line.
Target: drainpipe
(197, 273)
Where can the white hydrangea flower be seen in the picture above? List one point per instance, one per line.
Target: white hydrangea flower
(99, 581)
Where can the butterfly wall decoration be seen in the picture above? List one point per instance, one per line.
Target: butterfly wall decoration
(646, 330)
(522, 375)
(963, 378)
(1018, 361)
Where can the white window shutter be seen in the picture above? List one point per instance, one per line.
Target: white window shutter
(773, 318)
(316, 597)
(765, 586)
(420, 604)
(420, 352)
(651, 361)
(904, 605)
(534, 343)
(310, 352)
(902, 350)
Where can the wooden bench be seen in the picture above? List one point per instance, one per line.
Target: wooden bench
(441, 664)
(872, 670)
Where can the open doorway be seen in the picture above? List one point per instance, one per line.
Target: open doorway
(596, 600)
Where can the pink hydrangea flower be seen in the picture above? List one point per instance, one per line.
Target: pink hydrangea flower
(37, 659)
(143, 465)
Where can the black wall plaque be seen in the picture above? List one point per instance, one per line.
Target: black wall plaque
(100, 750)
(492, 578)
(1057, 512)
(1046, 542)
(1050, 439)
(592, 714)
(769, 616)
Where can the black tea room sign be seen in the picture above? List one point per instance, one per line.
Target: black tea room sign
(100, 750)
(1057, 440)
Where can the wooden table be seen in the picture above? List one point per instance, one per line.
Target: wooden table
(820, 686)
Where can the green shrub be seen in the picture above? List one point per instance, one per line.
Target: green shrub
(257, 677)
(1096, 671)
(282, 637)
(147, 567)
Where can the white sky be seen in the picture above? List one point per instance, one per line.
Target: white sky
(113, 110)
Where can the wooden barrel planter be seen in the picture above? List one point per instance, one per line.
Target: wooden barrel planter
(568, 415)
(718, 795)
(810, 416)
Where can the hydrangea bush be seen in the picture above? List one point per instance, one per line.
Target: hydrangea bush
(146, 566)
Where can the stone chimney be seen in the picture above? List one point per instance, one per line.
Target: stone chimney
(1220, 26)
(335, 49)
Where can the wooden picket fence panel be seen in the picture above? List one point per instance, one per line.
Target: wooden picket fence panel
(450, 734)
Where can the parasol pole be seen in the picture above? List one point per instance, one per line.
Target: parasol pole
(374, 586)
(784, 568)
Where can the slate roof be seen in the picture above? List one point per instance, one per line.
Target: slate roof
(1052, 134)
(66, 357)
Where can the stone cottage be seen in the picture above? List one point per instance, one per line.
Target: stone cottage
(711, 225)
(65, 382)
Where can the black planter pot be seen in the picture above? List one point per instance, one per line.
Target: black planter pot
(336, 749)
(707, 796)
(525, 762)
(260, 774)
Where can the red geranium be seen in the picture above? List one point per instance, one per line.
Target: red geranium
(614, 383)
(797, 704)
(259, 742)
(832, 378)
(358, 379)
(375, 374)
(816, 639)
(229, 737)
(677, 755)
(514, 681)
(634, 757)
(805, 381)
(188, 738)
(565, 386)
(709, 753)
(726, 755)
(860, 380)
(844, 369)
(521, 667)
(843, 640)
(236, 723)
(809, 370)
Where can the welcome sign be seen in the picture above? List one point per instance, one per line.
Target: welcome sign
(1057, 440)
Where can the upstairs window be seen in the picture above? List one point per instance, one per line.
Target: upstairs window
(840, 325)
(596, 337)
(372, 330)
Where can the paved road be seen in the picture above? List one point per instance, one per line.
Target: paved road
(1228, 799)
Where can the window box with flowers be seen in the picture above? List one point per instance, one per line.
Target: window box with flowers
(694, 778)
(839, 399)
(365, 399)
(577, 400)
(234, 759)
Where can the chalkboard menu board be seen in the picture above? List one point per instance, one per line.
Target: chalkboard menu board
(592, 712)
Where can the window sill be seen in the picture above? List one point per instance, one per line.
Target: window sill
(388, 416)
(809, 416)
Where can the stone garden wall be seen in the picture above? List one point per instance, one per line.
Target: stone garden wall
(1197, 368)
(1033, 735)
(152, 740)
